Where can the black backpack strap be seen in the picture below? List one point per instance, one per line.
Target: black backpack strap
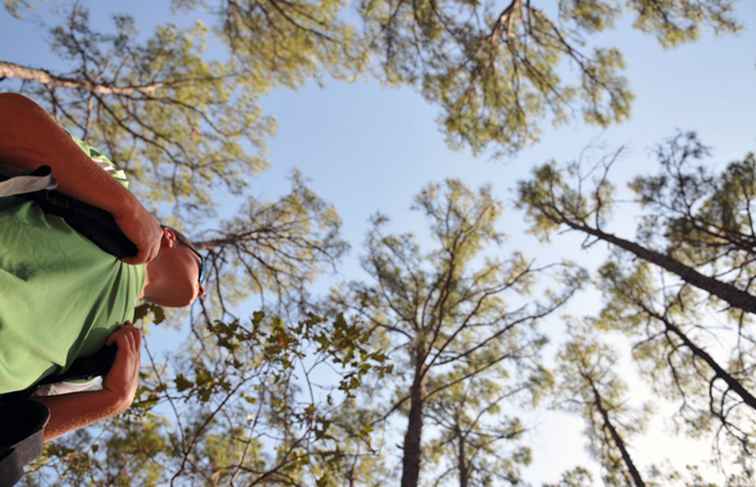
(22, 436)
(85, 367)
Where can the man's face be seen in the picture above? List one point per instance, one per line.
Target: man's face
(182, 264)
(193, 265)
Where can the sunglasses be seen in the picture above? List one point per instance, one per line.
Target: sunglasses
(202, 274)
(202, 261)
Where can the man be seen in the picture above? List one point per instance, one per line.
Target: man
(61, 296)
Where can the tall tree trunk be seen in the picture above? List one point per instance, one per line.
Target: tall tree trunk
(464, 472)
(411, 455)
(726, 292)
(626, 458)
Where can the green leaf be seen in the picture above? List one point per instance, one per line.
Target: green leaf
(141, 312)
(182, 383)
(257, 317)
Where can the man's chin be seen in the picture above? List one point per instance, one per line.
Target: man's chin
(173, 301)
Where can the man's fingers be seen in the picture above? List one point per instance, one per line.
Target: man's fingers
(124, 338)
(128, 339)
(133, 341)
(145, 233)
(123, 344)
(144, 256)
(135, 336)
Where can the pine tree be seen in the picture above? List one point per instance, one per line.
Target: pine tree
(448, 308)
(589, 386)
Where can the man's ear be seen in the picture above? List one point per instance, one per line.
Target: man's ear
(168, 239)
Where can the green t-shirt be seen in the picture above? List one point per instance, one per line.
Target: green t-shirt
(60, 295)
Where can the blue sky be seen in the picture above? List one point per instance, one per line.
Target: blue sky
(365, 147)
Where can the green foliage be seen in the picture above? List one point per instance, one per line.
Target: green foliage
(498, 72)
(577, 477)
(706, 215)
(672, 346)
(142, 455)
(246, 406)
(288, 42)
(677, 21)
(476, 441)
(141, 312)
(179, 124)
(691, 476)
(226, 402)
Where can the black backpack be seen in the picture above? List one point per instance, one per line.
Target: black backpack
(23, 418)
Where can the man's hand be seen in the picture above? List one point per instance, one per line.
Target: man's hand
(143, 230)
(69, 412)
(123, 377)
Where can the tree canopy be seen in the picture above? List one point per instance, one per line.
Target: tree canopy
(417, 372)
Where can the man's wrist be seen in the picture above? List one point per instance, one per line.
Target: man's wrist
(116, 399)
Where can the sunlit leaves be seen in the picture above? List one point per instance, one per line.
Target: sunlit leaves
(301, 39)
(677, 21)
(497, 71)
(557, 196)
(143, 310)
(576, 477)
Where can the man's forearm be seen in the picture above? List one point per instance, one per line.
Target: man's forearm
(69, 412)
(29, 137)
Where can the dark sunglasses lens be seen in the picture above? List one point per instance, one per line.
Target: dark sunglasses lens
(202, 270)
